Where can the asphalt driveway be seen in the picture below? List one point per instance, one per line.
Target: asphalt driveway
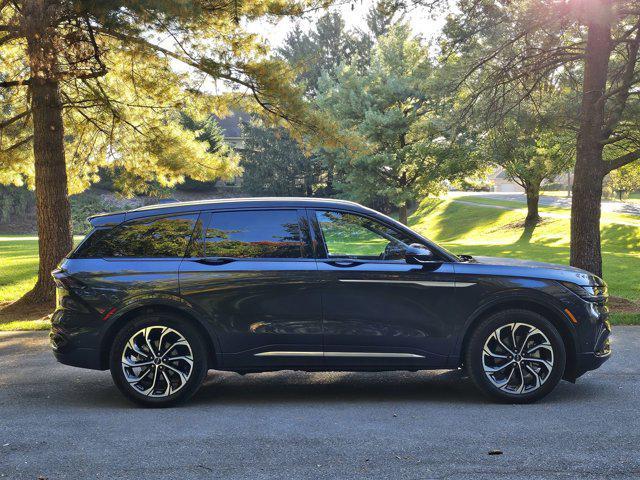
(58, 422)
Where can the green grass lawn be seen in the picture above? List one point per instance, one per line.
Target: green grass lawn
(18, 267)
(485, 230)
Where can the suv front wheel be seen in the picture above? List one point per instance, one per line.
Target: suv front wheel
(516, 356)
(158, 360)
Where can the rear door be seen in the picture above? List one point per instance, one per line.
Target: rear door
(379, 310)
(256, 278)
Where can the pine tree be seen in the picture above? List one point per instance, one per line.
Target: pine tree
(401, 145)
(87, 83)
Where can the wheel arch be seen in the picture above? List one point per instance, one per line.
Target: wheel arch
(556, 317)
(126, 317)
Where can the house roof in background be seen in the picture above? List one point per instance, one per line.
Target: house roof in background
(231, 124)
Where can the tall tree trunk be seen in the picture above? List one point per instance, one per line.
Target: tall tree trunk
(533, 199)
(52, 203)
(402, 214)
(588, 171)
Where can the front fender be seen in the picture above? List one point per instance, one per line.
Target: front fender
(535, 300)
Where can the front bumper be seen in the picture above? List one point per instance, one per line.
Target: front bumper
(591, 360)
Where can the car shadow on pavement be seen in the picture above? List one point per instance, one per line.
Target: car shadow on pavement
(304, 387)
(289, 387)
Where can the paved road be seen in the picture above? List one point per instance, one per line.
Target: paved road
(630, 208)
(58, 422)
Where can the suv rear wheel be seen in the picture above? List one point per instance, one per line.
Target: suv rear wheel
(158, 360)
(516, 356)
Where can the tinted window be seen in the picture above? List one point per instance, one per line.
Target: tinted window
(91, 243)
(354, 236)
(148, 237)
(255, 234)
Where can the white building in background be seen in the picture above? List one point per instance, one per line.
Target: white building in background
(500, 181)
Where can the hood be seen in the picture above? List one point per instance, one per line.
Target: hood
(544, 270)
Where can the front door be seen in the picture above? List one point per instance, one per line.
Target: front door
(257, 281)
(378, 310)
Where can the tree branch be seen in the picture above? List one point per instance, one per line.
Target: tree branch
(621, 161)
(22, 142)
(622, 95)
(8, 122)
(15, 83)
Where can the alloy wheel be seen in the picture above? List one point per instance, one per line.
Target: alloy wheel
(157, 361)
(517, 358)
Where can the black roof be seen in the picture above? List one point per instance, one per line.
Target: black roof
(231, 124)
(226, 203)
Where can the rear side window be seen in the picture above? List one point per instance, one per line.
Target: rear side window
(255, 234)
(147, 237)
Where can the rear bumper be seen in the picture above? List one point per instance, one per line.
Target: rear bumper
(66, 347)
(79, 357)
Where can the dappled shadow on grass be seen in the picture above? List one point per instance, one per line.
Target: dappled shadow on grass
(624, 238)
(527, 234)
(457, 219)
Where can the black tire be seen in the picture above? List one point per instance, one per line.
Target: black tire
(475, 357)
(195, 347)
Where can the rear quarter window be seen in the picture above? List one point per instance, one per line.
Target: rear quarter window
(155, 237)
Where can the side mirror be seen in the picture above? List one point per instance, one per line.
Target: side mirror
(418, 254)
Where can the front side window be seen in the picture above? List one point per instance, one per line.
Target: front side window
(255, 234)
(147, 237)
(348, 235)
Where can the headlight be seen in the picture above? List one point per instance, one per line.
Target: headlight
(590, 293)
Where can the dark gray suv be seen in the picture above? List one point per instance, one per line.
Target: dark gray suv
(162, 294)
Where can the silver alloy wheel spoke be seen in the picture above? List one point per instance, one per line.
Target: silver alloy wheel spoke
(546, 346)
(167, 390)
(180, 374)
(494, 354)
(504, 382)
(172, 346)
(146, 339)
(535, 375)
(517, 372)
(133, 346)
(151, 374)
(130, 363)
(531, 333)
(497, 369)
(153, 382)
(514, 327)
(180, 357)
(137, 379)
(496, 335)
(522, 385)
(538, 360)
